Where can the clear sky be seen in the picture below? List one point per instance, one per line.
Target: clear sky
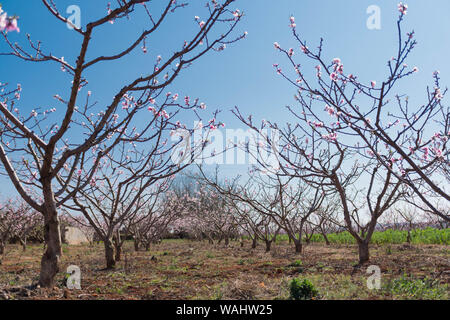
(242, 75)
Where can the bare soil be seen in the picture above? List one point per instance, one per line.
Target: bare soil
(183, 269)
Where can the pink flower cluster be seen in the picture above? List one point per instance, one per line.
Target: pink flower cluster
(8, 24)
(338, 69)
(330, 137)
(292, 20)
(402, 8)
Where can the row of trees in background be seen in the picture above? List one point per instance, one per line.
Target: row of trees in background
(19, 222)
(201, 207)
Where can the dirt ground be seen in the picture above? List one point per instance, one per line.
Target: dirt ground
(183, 269)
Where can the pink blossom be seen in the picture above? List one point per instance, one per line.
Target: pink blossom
(334, 76)
(336, 61)
(438, 94)
(291, 52)
(292, 20)
(402, 8)
(318, 124)
(330, 110)
(8, 24)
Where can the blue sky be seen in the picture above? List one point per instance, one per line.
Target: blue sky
(242, 75)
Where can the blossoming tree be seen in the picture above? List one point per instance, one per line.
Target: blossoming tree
(410, 141)
(45, 153)
(370, 153)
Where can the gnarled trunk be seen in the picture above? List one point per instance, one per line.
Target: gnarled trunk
(363, 249)
(109, 254)
(51, 258)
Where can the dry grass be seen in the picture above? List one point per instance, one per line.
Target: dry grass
(181, 269)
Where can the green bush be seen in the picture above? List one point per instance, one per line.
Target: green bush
(296, 263)
(413, 288)
(302, 290)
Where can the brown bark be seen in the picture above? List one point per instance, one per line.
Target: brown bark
(298, 247)
(51, 258)
(254, 243)
(268, 245)
(24, 244)
(109, 254)
(118, 253)
(327, 242)
(363, 249)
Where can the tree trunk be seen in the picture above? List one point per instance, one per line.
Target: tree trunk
(118, 249)
(24, 244)
(227, 241)
(51, 258)
(268, 245)
(2, 250)
(298, 246)
(363, 249)
(254, 243)
(136, 245)
(147, 246)
(408, 238)
(327, 242)
(109, 254)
